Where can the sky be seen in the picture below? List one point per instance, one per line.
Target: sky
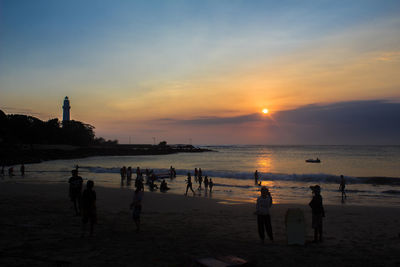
(202, 71)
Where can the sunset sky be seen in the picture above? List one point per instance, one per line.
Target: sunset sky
(327, 71)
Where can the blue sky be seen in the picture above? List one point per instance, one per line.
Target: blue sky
(228, 58)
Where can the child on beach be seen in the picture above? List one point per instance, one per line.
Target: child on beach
(256, 177)
(136, 205)
(189, 184)
(200, 181)
(264, 203)
(206, 183)
(211, 184)
(318, 212)
(22, 169)
(195, 174)
(129, 175)
(122, 171)
(88, 208)
(75, 190)
(342, 186)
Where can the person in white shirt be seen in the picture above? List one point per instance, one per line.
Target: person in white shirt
(264, 203)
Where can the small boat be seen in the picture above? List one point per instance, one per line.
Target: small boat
(317, 160)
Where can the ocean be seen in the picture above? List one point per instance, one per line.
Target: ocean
(372, 173)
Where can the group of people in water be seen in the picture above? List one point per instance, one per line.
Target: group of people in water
(198, 178)
(151, 178)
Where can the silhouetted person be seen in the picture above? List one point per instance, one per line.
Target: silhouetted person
(152, 185)
(200, 174)
(264, 203)
(88, 208)
(189, 184)
(196, 174)
(123, 173)
(138, 173)
(11, 171)
(136, 205)
(318, 212)
(129, 175)
(163, 186)
(22, 169)
(200, 181)
(139, 182)
(206, 183)
(172, 173)
(2, 171)
(75, 190)
(211, 184)
(342, 187)
(256, 177)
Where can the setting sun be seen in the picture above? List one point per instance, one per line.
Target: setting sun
(265, 111)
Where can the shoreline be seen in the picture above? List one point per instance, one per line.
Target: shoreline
(17, 154)
(38, 227)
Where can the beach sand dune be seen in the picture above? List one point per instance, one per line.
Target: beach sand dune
(38, 228)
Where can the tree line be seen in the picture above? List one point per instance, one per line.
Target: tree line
(24, 129)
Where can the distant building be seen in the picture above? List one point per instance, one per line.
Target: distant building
(66, 108)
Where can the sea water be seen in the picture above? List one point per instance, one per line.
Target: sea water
(372, 173)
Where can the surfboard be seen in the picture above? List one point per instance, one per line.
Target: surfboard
(295, 227)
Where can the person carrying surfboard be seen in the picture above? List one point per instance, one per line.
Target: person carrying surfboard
(264, 203)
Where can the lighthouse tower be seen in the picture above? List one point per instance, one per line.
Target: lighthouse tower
(66, 108)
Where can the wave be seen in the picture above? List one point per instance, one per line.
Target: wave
(305, 178)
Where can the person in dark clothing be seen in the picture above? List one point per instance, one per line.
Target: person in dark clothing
(189, 184)
(256, 177)
(22, 169)
(164, 186)
(200, 179)
(75, 190)
(211, 184)
(88, 208)
(136, 205)
(318, 212)
(342, 187)
(264, 203)
(206, 183)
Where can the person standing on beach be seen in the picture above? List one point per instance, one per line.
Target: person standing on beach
(196, 174)
(11, 171)
(88, 208)
(256, 177)
(75, 190)
(318, 212)
(123, 174)
(342, 187)
(189, 184)
(200, 181)
(211, 184)
(264, 203)
(22, 169)
(206, 183)
(136, 205)
(129, 175)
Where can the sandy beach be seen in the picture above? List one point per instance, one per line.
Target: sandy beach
(38, 228)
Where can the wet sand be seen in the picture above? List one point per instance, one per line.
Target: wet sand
(38, 228)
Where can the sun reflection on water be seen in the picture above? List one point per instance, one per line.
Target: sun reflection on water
(264, 163)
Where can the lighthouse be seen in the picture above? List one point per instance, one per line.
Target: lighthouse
(66, 108)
